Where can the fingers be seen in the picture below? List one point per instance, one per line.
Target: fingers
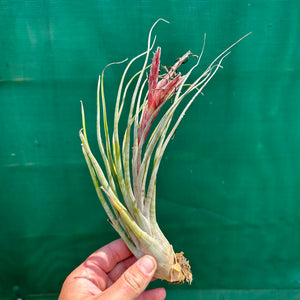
(86, 280)
(108, 256)
(90, 278)
(133, 282)
(110, 263)
(155, 294)
(120, 268)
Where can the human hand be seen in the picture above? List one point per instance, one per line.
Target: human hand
(112, 273)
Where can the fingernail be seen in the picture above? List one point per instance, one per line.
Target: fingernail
(146, 264)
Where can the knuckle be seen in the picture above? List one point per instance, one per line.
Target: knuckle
(134, 281)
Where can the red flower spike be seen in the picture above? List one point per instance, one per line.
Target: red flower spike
(159, 91)
(154, 71)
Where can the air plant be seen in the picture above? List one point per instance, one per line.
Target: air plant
(126, 185)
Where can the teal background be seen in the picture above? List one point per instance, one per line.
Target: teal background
(229, 187)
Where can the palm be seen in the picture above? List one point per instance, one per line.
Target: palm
(98, 272)
(111, 274)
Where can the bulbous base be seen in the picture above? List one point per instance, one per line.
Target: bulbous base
(177, 271)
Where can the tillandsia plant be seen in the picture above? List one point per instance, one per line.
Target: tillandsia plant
(126, 185)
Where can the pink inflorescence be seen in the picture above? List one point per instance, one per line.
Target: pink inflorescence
(159, 91)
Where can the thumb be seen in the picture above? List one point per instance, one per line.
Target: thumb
(133, 281)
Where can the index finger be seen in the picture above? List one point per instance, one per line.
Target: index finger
(107, 257)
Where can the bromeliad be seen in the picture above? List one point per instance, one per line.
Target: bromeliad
(126, 185)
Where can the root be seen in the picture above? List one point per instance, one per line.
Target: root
(181, 270)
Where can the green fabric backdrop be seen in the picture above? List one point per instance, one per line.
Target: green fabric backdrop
(231, 176)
